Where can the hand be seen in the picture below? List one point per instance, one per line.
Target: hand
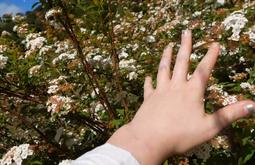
(172, 118)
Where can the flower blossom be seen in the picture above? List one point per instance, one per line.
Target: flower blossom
(16, 155)
(248, 86)
(3, 48)
(56, 103)
(150, 39)
(67, 55)
(34, 70)
(236, 21)
(132, 75)
(3, 61)
(127, 64)
(53, 12)
(251, 34)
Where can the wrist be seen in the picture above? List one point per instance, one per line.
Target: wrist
(139, 145)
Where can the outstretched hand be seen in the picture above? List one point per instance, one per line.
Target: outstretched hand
(172, 118)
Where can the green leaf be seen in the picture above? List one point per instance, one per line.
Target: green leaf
(249, 156)
(35, 4)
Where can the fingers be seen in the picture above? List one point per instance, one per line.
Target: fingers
(204, 68)
(229, 114)
(163, 76)
(148, 87)
(182, 61)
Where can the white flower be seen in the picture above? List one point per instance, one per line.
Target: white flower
(142, 28)
(221, 2)
(33, 42)
(3, 48)
(53, 89)
(99, 107)
(185, 22)
(53, 12)
(135, 47)
(150, 39)
(251, 34)
(65, 162)
(245, 85)
(83, 30)
(34, 70)
(236, 21)
(127, 64)
(18, 18)
(15, 28)
(44, 50)
(132, 75)
(56, 102)
(3, 61)
(194, 57)
(93, 93)
(241, 59)
(97, 58)
(64, 56)
(16, 154)
(197, 13)
(230, 99)
(123, 54)
(5, 33)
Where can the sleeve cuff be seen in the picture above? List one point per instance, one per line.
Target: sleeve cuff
(106, 154)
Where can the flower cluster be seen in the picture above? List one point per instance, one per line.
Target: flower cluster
(34, 70)
(248, 86)
(220, 96)
(33, 42)
(3, 61)
(16, 155)
(56, 103)
(52, 13)
(220, 142)
(235, 21)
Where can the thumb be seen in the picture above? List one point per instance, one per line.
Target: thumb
(229, 114)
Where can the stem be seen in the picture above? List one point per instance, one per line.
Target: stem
(19, 95)
(93, 80)
(115, 61)
(31, 126)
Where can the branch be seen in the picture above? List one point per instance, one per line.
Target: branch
(115, 61)
(19, 95)
(93, 80)
(31, 126)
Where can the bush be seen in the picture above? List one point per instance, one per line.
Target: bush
(71, 73)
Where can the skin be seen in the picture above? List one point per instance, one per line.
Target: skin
(172, 118)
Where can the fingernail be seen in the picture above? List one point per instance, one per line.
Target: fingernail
(215, 44)
(185, 32)
(250, 108)
(170, 45)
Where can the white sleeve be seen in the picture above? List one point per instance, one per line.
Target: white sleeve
(106, 154)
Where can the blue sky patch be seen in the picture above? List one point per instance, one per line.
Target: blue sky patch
(16, 6)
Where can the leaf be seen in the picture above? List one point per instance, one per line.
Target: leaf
(249, 156)
(58, 134)
(35, 4)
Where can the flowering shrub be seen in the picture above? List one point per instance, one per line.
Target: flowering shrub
(72, 72)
